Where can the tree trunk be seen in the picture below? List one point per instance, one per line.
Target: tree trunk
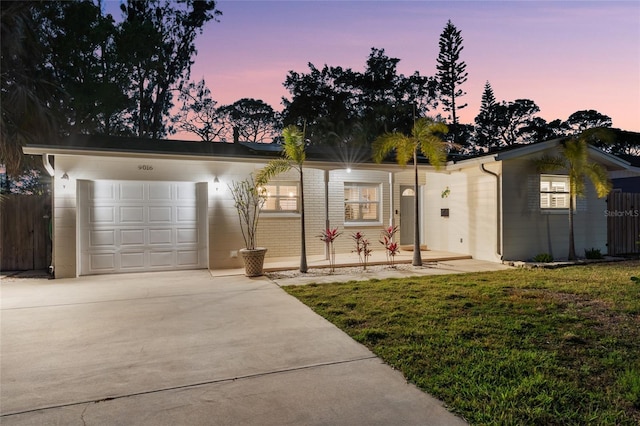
(417, 258)
(572, 246)
(303, 245)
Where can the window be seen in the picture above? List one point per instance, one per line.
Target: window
(282, 197)
(361, 202)
(554, 192)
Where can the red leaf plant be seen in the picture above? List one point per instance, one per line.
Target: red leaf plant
(328, 236)
(391, 247)
(362, 248)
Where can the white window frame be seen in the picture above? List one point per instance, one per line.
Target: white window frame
(364, 204)
(554, 192)
(280, 198)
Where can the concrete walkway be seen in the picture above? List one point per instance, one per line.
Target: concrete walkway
(188, 348)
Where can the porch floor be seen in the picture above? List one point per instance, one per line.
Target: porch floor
(273, 264)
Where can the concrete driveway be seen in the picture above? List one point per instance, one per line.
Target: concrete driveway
(188, 348)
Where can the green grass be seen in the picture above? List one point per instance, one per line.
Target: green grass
(524, 346)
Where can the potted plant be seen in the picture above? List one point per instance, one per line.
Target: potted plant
(248, 200)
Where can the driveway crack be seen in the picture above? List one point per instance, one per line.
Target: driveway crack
(190, 385)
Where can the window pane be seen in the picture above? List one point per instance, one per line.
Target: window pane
(289, 191)
(350, 194)
(289, 204)
(271, 190)
(362, 202)
(270, 204)
(369, 194)
(281, 197)
(350, 212)
(369, 211)
(554, 192)
(545, 201)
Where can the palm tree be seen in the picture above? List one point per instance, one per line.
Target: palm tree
(294, 157)
(574, 158)
(425, 139)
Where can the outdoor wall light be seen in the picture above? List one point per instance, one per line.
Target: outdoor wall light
(216, 184)
(348, 169)
(65, 179)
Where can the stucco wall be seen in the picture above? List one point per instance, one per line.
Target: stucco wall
(529, 230)
(471, 227)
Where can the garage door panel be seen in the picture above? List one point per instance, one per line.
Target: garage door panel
(130, 237)
(161, 236)
(160, 192)
(102, 238)
(161, 259)
(186, 214)
(160, 214)
(132, 215)
(102, 191)
(103, 262)
(185, 192)
(102, 215)
(133, 260)
(141, 226)
(187, 236)
(132, 191)
(187, 257)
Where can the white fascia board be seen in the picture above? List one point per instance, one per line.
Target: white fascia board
(473, 162)
(322, 165)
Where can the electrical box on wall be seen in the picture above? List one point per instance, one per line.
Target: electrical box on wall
(444, 212)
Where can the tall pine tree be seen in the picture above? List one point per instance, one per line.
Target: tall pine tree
(486, 130)
(451, 70)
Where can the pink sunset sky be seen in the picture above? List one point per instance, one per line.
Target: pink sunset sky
(565, 56)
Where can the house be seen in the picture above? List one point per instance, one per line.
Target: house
(497, 207)
(131, 205)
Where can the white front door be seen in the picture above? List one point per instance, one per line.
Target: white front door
(407, 214)
(135, 226)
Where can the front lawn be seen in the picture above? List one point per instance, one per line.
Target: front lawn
(524, 346)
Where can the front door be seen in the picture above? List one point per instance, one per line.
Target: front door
(407, 214)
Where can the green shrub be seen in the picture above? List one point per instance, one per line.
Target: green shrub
(543, 258)
(593, 253)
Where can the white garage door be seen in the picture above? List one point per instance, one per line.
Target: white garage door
(139, 226)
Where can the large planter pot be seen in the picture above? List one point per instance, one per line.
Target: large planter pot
(253, 261)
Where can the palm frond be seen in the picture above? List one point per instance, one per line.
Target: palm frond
(293, 145)
(576, 152)
(599, 177)
(435, 150)
(383, 145)
(272, 169)
(550, 163)
(405, 149)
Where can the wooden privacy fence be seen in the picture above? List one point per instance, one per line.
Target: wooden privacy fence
(623, 223)
(24, 226)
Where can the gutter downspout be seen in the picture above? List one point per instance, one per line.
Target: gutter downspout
(47, 165)
(498, 211)
(327, 224)
(391, 211)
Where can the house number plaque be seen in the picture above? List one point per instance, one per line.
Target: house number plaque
(145, 167)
